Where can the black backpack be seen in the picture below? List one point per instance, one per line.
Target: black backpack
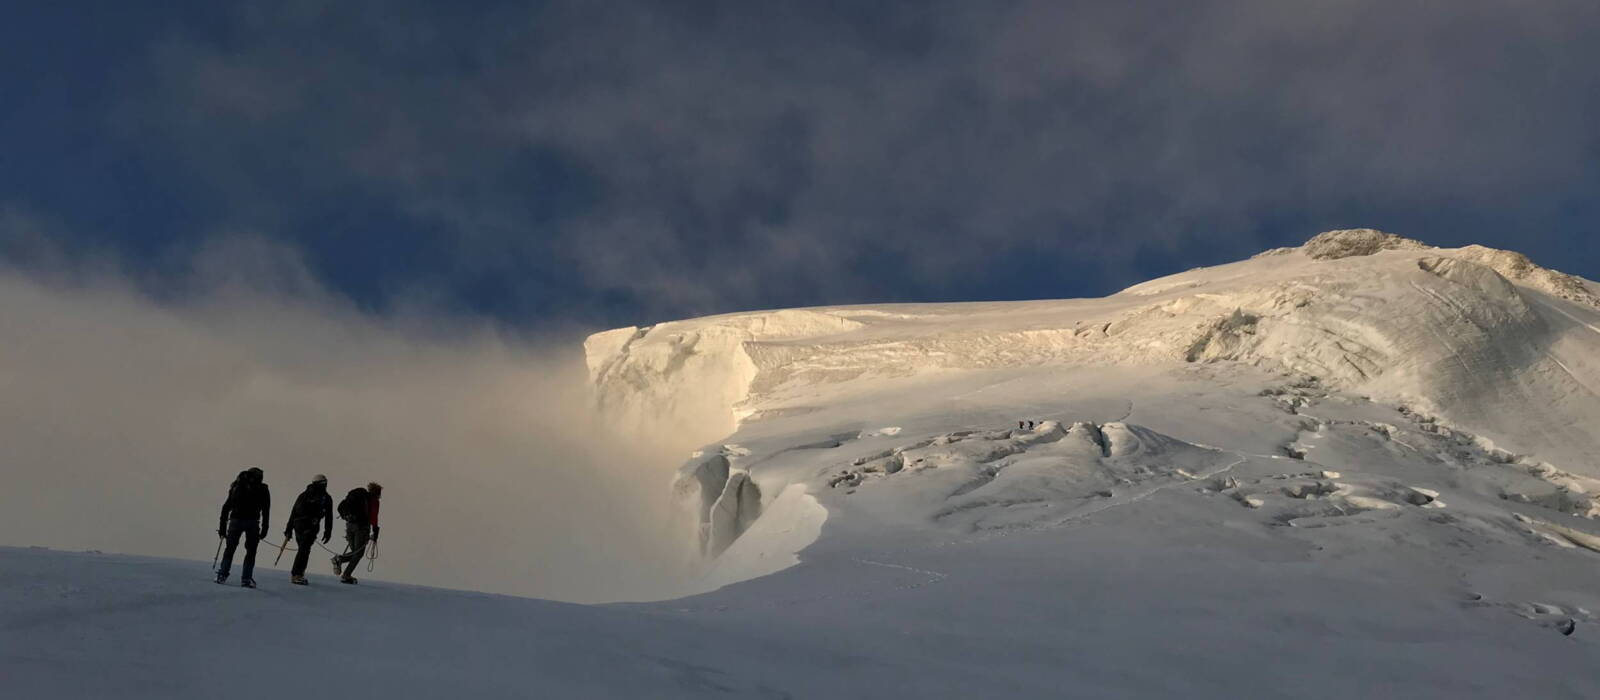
(244, 491)
(354, 506)
(239, 485)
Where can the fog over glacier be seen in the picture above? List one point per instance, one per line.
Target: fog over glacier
(125, 414)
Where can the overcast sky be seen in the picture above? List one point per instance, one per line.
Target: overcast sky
(601, 164)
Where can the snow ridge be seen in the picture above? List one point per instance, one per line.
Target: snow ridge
(1323, 313)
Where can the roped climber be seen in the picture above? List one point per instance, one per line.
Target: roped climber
(359, 509)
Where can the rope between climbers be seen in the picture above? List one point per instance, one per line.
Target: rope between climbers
(287, 548)
(372, 551)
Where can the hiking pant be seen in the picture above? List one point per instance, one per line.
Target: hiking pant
(357, 535)
(304, 540)
(251, 529)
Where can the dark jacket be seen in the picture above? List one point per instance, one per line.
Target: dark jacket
(248, 499)
(312, 506)
(359, 507)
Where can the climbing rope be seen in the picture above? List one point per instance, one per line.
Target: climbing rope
(287, 548)
(372, 551)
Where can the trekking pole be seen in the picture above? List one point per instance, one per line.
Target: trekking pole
(218, 556)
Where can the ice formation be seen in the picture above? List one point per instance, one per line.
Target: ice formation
(1491, 348)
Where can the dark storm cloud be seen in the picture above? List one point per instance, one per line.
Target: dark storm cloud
(621, 161)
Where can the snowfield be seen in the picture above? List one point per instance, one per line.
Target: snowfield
(1357, 468)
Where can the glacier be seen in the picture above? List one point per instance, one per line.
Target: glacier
(1473, 363)
(1357, 467)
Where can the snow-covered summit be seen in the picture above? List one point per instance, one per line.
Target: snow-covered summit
(1361, 310)
(1361, 373)
(1366, 411)
(1345, 243)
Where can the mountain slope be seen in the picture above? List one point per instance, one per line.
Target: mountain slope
(1472, 343)
(1169, 595)
(1364, 413)
(1357, 468)
(96, 626)
(1365, 312)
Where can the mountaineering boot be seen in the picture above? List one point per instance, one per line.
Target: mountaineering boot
(298, 580)
(347, 579)
(248, 583)
(222, 578)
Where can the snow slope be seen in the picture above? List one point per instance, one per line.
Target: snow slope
(1375, 411)
(1169, 592)
(95, 626)
(1471, 342)
(1357, 468)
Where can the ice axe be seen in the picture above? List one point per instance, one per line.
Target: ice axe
(281, 547)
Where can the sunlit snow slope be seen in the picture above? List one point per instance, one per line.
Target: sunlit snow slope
(1357, 468)
(1408, 370)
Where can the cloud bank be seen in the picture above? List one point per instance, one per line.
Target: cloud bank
(124, 417)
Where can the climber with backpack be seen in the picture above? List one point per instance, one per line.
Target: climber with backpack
(244, 513)
(314, 507)
(359, 510)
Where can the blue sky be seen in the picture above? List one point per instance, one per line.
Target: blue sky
(600, 164)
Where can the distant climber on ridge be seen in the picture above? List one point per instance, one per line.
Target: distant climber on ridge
(244, 513)
(359, 509)
(312, 507)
